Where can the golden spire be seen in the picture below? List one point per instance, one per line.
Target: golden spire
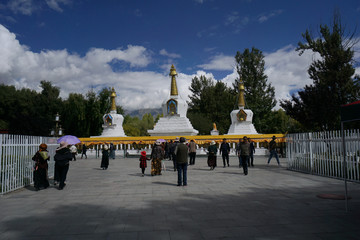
(173, 91)
(113, 96)
(241, 102)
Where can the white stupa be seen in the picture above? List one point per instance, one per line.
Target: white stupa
(174, 121)
(112, 121)
(241, 119)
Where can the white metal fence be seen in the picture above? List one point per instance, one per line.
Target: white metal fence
(16, 168)
(321, 153)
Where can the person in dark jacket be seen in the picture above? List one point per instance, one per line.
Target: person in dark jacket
(62, 158)
(41, 158)
(83, 151)
(105, 158)
(181, 152)
(172, 151)
(192, 151)
(224, 151)
(112, 151)
(252, 151)
(243, 151)
(212, 151)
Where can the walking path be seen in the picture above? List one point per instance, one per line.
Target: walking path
(269, 203)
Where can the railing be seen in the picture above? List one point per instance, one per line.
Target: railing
(322, 154)
(16, 168)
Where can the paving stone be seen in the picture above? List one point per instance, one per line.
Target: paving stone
(269, 203)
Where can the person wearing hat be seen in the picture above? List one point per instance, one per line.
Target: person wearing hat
(105, 158)
(157, 155)
(62, 158)
(212, 151)
(181, 152)
(243, 152)
(41, 167)
(143, 163)
(273, 152)
(224, 151)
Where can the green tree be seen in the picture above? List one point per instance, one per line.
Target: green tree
(210, 100)
(279, 122)
(50, 105)
(93, 115)
(131, 126)
(317, 106)
(73, 117)
(259, 94)
(147, 122)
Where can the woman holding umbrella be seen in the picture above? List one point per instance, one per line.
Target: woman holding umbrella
(62, 158)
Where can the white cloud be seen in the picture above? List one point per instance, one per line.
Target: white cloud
(163, 52)
(23, 68)
(55, 4)
(264, 17)
(26, 7)
(236, 21)
(286, 70)
(138, 13)
(231, 18)
(19, 66)
(219, 62)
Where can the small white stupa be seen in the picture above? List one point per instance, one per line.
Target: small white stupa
(112, 121)
(241, 119)
(174, 121)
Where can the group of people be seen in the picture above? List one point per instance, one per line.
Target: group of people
(62, 157)
(245, 151)
(178, 152)
(179, 156)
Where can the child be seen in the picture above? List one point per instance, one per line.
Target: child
(143, 163)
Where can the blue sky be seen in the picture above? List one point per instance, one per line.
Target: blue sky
(131, 44)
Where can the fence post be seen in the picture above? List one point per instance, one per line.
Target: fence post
(1, 164)
(311, 154)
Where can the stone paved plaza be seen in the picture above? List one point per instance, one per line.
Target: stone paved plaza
(269, 203)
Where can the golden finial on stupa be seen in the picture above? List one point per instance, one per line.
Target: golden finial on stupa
(173, 91)
(241, 102)
(113, 96)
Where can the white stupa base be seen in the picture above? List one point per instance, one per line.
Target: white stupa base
(114, 129)
(241, 127)
(173, 126)
(214, 132)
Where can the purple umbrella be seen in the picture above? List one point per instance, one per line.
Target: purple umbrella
(161, 140)
(70, 139)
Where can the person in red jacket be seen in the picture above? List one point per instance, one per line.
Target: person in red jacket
(143, 163)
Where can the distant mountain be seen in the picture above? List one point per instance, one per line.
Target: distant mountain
(140, 112)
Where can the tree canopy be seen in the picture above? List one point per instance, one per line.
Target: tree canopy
(259, 94)
(317, 106)
(211, 102)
